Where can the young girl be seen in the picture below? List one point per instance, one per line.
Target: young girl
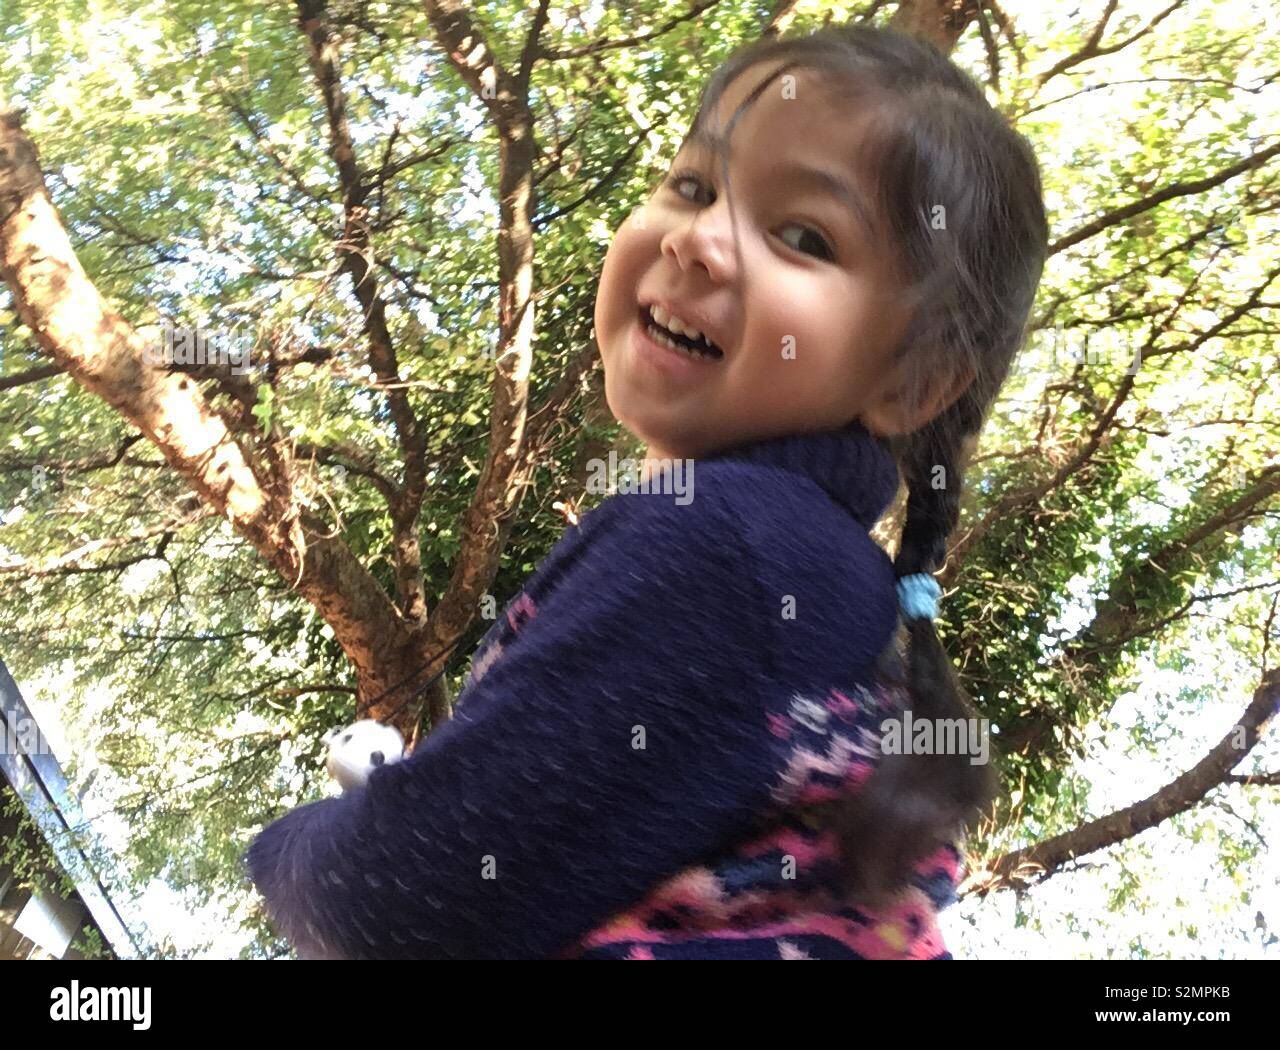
(671, 745)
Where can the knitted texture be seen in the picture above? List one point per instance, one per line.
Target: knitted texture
(630, 758)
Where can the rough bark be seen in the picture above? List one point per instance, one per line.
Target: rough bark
(103, 353)
(356, 256)
(941, 22)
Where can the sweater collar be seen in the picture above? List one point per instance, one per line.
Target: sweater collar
(853, 466)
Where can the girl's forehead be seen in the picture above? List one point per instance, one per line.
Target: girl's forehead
(738, 96)
(809, 118)
(782, 100)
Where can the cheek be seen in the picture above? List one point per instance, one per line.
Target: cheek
(635, 249)
(617, 279)
(802, 317)
(803, 345)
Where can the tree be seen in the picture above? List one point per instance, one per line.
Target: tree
(239, 549)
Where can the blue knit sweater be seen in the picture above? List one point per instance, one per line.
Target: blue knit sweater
(637, 711)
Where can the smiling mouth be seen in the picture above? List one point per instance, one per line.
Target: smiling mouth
(699, 347)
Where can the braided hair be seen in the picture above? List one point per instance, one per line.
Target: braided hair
(934, 148)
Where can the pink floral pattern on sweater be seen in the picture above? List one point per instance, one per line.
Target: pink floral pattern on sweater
(773, 892)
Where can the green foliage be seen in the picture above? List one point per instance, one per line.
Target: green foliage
(187, 150)
(26, 852)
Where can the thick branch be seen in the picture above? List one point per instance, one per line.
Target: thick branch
(356, 257)
(31, 375)
(1039, 862)
(1113, 617)
(105, 355)
(507, 466)
(941, 22)
(1113, 622)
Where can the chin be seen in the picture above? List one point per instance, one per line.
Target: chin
(650, 423)
(672, 441)
(642, 429)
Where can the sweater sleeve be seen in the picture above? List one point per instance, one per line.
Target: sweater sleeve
(621, 737)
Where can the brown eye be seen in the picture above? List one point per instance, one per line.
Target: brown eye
(686, 184)
(810, 241)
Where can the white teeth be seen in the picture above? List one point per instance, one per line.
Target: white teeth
(673, 323)
(681, 328)
(659, 337)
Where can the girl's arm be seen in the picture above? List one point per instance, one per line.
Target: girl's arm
(623, 736)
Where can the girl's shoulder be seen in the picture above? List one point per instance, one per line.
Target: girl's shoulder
(820, 581)
(783, 527)
(761, 500)
(741, 543)
(796, 535)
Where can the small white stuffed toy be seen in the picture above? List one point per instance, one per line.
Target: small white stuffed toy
(358, 750)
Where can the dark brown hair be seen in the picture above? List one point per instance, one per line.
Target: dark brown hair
(959, 199)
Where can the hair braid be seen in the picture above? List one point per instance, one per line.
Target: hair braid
(913, 803)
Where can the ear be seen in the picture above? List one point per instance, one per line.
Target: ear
(898, 409)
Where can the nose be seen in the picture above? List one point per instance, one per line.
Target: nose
(376, 758)
(705, 242)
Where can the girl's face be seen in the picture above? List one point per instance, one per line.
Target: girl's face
(778, 269)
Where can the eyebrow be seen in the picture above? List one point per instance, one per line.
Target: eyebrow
(828, 182)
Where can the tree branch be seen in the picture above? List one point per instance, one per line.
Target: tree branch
(507, 466)
(1170, 192)
(629, 41)
(356, 257)
(1093, 48)
(1035, 864)
(1020, 499)
(941, 22)
(31, 375)
(76, 561)
(105, 355)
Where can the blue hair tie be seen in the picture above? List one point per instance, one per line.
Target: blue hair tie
(918, 596)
